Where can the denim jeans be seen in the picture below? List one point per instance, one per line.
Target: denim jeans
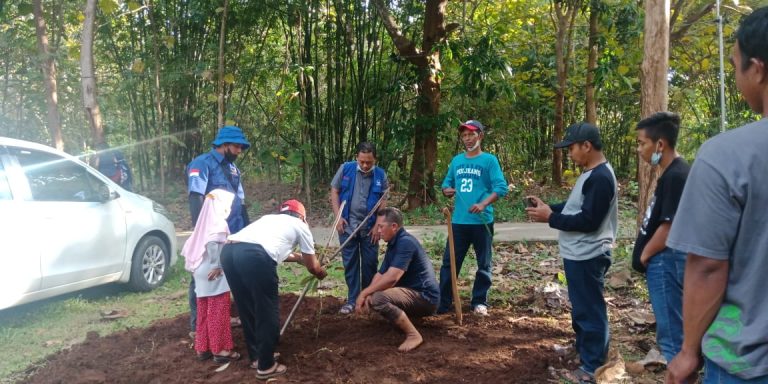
(714, 374)
(480, 238)
(665, 287)
(589, 316)
(192, 297)
(360, 258)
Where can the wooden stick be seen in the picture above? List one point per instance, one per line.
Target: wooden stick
(306, 286)
(362, 223)
(454, 277)
(360, 226)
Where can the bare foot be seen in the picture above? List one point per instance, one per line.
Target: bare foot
(412, 341)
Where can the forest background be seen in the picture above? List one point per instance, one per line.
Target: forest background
(308, 79)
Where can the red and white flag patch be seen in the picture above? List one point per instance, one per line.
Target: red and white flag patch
(194, 172)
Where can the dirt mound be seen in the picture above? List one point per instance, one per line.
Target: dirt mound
(321, 346)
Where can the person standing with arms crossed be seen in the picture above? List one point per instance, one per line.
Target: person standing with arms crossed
(216, 169)
(476, 179)
(721, 224)
(361, 184)
(588, 222)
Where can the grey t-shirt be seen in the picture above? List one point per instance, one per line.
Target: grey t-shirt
(358, 204)
(722, 216)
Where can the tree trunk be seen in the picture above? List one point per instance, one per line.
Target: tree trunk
(653, 88)
(159, 121)
(426, 60)
(565, 15)
(49, 77)
(591, 103)
(90, 104)
(222, 41)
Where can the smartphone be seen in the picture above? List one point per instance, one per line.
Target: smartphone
(529, 202)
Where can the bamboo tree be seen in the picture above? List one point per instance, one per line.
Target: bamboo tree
(222, 40)
(591, 102)
(565, 15)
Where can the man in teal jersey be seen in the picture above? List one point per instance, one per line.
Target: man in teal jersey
(475, 178)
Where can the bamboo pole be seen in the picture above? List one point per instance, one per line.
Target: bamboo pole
(334, 254)
(454, 277)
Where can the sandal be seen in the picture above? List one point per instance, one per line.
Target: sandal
(579, 376)
(276, 370)
(223, 359)
(346, 309)
(203, 356)
(255, 363)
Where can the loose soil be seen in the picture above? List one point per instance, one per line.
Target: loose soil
(322, 346)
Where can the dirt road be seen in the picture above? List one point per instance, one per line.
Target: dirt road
(503, 232)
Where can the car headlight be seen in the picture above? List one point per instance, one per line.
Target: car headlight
(159, 209)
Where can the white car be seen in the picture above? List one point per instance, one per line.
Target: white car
(65, 227)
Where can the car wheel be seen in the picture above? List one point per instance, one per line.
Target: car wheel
(149, 268)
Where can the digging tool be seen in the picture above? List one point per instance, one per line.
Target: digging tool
(454, 277)
(325, 262)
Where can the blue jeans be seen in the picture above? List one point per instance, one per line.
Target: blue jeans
(714, 374)
(192, 297)
(665, 287)
(360, 258)
(589, 315)
(464, 235)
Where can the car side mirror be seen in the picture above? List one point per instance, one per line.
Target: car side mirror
(106, 194)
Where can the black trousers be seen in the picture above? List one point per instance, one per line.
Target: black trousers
(252, 277)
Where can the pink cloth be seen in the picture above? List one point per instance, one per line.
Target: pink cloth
(211, 226)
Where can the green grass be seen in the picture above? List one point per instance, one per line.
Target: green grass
(32, 331)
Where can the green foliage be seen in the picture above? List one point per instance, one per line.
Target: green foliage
(307, 81)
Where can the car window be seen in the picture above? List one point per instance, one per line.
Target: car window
(54, 178)
(5, 188)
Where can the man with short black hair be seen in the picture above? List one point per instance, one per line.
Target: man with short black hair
(361, 184)
(405, 284)
(721, 224)
(664, 266)
(588, 222)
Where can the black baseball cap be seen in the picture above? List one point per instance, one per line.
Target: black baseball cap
(578, 133)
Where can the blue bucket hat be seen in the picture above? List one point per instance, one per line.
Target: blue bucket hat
(231, 134)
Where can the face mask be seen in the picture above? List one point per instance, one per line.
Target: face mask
(361, 170)
(656, 158)
(231, 157)
(477, 144)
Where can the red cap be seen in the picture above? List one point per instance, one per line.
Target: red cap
(472, 125)
(294, 205)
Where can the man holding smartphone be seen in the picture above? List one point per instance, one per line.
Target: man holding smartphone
(475, 179)
(587, 221)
